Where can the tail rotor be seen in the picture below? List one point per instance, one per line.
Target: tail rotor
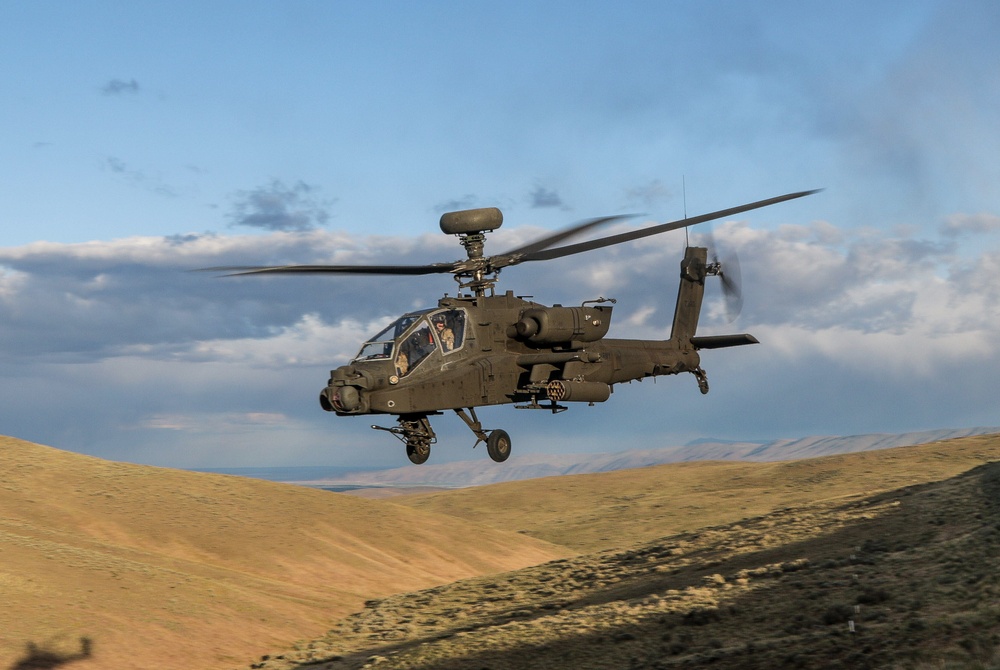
(728, 271)
(732, 285)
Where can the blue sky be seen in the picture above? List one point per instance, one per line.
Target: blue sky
(141, 140)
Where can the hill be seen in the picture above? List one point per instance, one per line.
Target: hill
(900, 578)
(111, 565)
(121, 566)
(531, 466)
(614, 509)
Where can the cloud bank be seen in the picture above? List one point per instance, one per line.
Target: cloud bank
(133, 348)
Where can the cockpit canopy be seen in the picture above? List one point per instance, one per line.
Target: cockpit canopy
(381, 345)
(408, 340)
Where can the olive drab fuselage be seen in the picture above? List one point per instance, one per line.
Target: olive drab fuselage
(505, 349)
(493, 365)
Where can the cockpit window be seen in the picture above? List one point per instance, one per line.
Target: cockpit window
(414, 348)
(381, 345)
(449, 327)
(412, 337)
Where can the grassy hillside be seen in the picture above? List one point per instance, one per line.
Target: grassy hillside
(906, 578)
(615, 509)
(161, 568)
(110, 565)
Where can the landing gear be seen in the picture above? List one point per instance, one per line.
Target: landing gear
(497, 441)
(498, 445)
(702, 380)
(415, 430)
(417, 452)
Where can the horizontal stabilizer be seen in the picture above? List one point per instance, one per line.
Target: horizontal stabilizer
(722, 341)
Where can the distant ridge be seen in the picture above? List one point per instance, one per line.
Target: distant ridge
(533, 466)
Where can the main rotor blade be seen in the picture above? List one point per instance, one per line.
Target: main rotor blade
(434, 268)
(515, 256)
(559, 252)
(503, 260)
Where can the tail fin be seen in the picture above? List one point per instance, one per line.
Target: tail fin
(689, 295)
(694, 269)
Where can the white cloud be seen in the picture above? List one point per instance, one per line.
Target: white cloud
(912, 356)
(308, 342)
(133, 355)
(640, 316)
(970, 224)
(224, 422)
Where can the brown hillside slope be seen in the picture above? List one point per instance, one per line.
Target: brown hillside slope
(614, 509)
(903, 579)
(164, 568)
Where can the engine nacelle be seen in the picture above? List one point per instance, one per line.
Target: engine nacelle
(562, 325)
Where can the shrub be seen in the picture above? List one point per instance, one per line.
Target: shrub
(837, 614)
(701, 616)
(873, 596)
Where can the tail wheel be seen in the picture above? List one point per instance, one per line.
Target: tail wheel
(498, 445)
(418, 452)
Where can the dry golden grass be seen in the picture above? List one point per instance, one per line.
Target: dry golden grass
(733, 564)
(164, 568)
(906, 578)
(614, 509)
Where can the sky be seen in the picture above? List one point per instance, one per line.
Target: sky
(143, 140)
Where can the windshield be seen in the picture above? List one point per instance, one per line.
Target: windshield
(380, 346)
(414, 348)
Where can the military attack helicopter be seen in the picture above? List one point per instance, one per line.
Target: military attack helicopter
(483, 348)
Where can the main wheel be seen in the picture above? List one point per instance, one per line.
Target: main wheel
(418, 453)
(498, 445)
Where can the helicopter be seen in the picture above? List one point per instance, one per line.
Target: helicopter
(482, 348)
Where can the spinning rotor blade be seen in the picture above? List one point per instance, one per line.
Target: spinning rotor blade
(728, 271)
(515, 256)
(732, 290)
(434, 268)
(503, 260)
(559, 252)
(483, 268)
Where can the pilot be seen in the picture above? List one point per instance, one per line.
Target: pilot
(402, 362)
(445, 334)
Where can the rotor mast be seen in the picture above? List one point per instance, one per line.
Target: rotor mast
(476, 272)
